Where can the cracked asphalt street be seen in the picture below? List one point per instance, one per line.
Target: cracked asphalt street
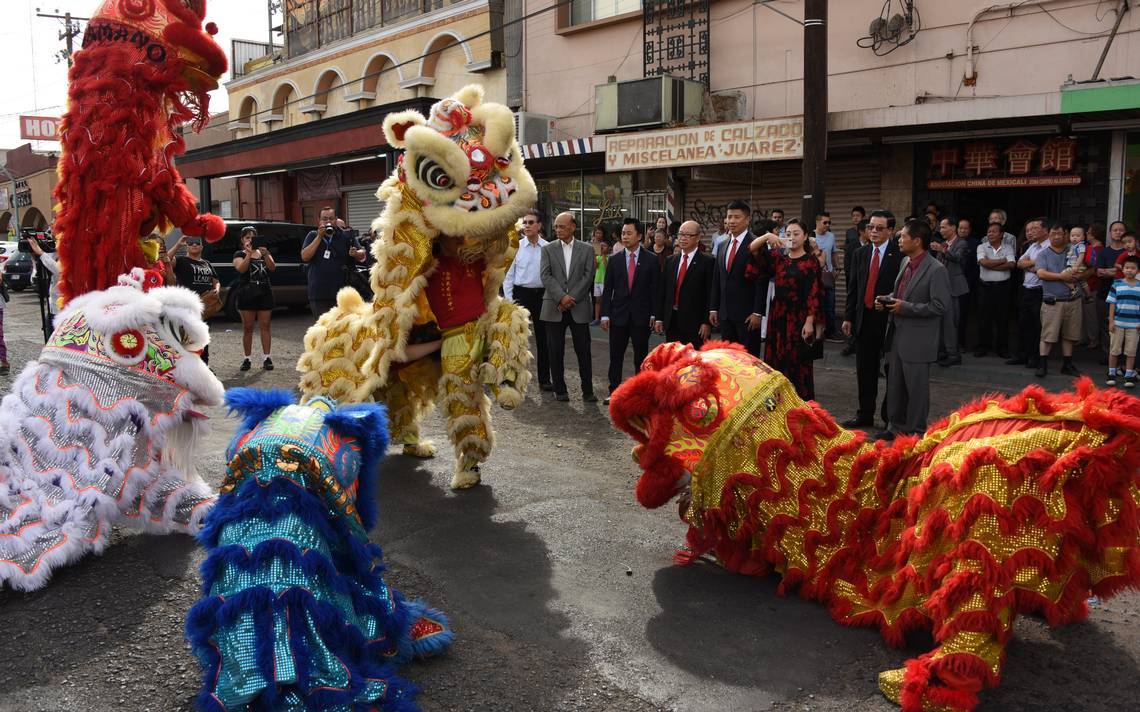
(560, 587)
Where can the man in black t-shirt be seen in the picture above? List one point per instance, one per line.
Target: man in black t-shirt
(197, 275)
(327, 250)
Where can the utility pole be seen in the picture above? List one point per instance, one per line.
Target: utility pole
(70, 29)
(815, 109)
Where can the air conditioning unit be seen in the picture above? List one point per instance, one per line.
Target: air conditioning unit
(533, 128)
(647, 103)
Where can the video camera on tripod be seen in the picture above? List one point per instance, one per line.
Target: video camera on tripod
(42, 274)
(45, 240)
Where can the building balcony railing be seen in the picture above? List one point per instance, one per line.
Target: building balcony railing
(247, 56)
(312, 24)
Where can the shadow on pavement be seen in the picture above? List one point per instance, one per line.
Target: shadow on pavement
(735, 629)
(490, 575)
(90, 609)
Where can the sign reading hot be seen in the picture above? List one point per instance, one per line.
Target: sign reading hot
(39, 128)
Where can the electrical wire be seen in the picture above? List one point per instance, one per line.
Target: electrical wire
(910, 14)
(1072, 29)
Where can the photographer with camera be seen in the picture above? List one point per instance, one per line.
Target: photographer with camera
(255, 294)
(328, 251)
(46, 277)
(198, 275)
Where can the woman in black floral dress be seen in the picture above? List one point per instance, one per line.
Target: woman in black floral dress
(796, 312)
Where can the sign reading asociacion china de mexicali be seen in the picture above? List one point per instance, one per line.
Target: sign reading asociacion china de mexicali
(769, 140)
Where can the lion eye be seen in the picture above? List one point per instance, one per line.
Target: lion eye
(433, 174)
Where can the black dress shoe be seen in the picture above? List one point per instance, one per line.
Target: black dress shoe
(1015, 361)
(606, 401)
(1069, 369)
(589, 398)
(847, 350)
(546, 386)
(561, 397)
(947, 362)
(883, 435)
(1042, 370)
(858, 423)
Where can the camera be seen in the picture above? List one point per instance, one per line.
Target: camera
(328, 230)
(47, 244)
(885, 299)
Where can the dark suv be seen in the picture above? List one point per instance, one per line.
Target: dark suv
(19, 271)
(284, 239)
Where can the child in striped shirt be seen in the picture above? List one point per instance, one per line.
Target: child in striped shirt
(1124, 322)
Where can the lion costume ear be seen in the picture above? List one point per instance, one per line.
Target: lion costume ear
(396, 126)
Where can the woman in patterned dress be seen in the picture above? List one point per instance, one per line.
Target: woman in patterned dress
(796, 312)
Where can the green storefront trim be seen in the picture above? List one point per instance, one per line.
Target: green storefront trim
(1107, 97)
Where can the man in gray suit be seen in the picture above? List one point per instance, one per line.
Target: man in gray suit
(567, 272)
(921, 296)
(954, 254)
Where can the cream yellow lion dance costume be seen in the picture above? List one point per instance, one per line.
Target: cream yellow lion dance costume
(447, 236)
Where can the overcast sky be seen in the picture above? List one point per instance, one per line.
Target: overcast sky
(34, 83)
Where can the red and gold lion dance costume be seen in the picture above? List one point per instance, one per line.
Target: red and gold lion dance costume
(145, 68)
(1012, 505)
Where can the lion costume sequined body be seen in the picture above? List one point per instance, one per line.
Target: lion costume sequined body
(103, 428)
(1026, 504)
(145, 68)
(295, 613)
(461, 175)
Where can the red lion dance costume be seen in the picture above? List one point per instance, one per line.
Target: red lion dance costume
(145, 68)
(1012, 505)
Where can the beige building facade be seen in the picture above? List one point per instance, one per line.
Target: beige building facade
(303, 128)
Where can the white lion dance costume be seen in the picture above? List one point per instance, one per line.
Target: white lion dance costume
(461, 178)
(101, 429)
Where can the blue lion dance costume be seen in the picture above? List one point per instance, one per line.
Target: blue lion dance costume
(295, 614)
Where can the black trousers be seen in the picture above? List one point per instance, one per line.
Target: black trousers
(868, 361)
(993, 316)
(737, 332)
(620, 336)
(1029, 323)
(556, 342)
(531, 299)
(684, 336)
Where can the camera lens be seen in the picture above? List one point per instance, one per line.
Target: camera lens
(329, 230)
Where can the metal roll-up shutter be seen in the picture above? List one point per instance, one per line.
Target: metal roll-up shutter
(851, 181)
(363, 207)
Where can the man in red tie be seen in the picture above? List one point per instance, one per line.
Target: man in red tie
(871, 274)
(682, 305)
(628, 300)
(735, 302)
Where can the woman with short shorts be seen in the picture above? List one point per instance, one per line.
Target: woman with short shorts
(255, 295)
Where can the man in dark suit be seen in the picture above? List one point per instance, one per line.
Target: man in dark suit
(567, 272)
(735, 303)
(682, 302)
(954, 254)
(871, 274)
(628, 305)
(921, 297)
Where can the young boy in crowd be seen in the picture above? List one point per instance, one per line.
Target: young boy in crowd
(1124, 322)
(1129, 251)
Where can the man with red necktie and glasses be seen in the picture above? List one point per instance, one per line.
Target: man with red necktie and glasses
(682, 303)
(872, 273)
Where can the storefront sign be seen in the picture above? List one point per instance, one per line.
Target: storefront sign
(39, 128)
(1020, 163)
(23, 194)
(775, 140)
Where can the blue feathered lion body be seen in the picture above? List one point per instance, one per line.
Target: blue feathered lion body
(295, 613)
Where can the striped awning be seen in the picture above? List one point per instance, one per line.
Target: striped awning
(572, 147)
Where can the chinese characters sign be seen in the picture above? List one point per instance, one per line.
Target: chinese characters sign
(1018, 163)
(677, 39)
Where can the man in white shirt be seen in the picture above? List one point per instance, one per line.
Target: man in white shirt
(997, 215)
(523, 284)
(1029, 298)
(721, 236)
(995, 270)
